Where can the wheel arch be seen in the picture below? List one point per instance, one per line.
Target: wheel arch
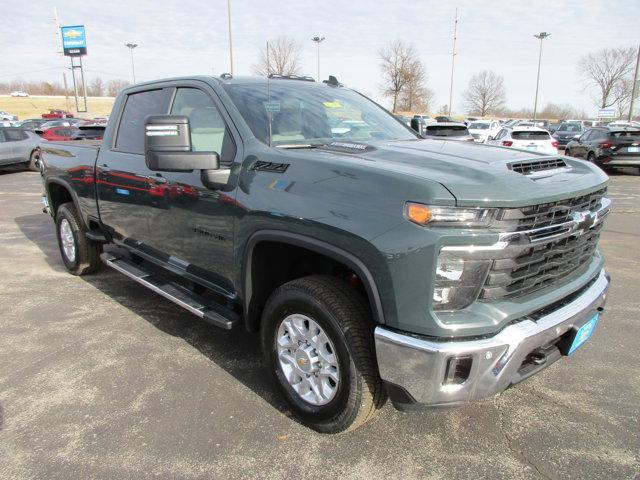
(252, 306)
(59, 192)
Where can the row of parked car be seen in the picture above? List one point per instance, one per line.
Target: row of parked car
(615, 144)
(19, 140)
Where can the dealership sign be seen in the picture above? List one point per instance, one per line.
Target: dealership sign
(74, 40)
(606, 113)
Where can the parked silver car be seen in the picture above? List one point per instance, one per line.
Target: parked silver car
(19, 146)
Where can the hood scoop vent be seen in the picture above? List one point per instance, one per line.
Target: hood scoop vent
(540, 168)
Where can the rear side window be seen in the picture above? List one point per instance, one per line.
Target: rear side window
(15, 135)
(208, 130)
(137, 107)
(530, 135)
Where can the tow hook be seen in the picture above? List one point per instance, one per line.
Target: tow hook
(537, 358)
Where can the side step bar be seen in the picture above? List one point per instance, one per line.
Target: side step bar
(209, 311)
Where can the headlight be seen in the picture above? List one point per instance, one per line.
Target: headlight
(421, 214)
(458, 281)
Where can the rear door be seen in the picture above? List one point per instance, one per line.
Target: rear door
(127, 190)
(22, 145)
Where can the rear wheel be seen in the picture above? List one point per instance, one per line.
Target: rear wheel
(591, 158)
(317, 340)
(34, 164)
(80, 255)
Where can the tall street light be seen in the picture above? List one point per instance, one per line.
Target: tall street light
(541, 36)
(230, 42)
(317, 40)
(131, 46)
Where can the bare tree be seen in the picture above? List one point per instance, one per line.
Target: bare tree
(114, 86)
(485, 93)
(605, 69)
(399, 64)
(96, 88)
(284, 58)
(621, 94)
(415, 96)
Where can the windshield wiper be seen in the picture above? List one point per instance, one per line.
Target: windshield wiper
(300, 145)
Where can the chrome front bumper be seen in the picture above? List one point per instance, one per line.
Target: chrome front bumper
(418, 366)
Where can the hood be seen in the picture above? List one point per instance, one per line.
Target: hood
(475, 174)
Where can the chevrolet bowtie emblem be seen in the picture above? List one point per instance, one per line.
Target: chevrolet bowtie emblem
(583, 220)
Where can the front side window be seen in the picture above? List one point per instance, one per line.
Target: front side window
(289, 113)
(138, 106)
(208, 130)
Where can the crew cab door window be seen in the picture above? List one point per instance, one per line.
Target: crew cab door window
(138, 106)
(208, 130)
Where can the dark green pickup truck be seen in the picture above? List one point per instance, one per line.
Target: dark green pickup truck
(372, 262)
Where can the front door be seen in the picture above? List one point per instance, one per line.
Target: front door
(5, 148)
(193, 226)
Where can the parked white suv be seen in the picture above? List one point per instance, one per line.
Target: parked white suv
(526, 138)
(483, 130)
(19, 93)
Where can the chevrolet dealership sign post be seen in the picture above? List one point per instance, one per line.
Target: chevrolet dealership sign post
(74, 45)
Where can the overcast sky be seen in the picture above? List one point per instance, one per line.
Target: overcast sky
(190, 37)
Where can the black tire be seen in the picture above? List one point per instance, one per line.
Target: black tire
(345, 318)
(591, 158)
(33, 161)
(87, 252)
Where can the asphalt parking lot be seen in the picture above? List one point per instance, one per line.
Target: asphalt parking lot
(101, 378)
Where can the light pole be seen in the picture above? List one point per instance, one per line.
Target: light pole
(131, 46)
(541, 36)
(453, 60)
(230, 42)
(317, 40)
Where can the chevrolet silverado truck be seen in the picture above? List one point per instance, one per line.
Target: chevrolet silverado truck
(372, 262)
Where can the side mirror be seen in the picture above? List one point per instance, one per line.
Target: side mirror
(167, 146)
(489, 138)
(576, 137)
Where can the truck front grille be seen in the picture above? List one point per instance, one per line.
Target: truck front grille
(551, 256)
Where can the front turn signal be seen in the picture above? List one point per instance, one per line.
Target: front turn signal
(417, 213)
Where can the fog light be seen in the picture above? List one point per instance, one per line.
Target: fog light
(458, 370)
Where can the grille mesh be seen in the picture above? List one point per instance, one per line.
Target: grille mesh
(545, 263)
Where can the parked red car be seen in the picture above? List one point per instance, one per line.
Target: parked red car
(57, 114)
(59, 133)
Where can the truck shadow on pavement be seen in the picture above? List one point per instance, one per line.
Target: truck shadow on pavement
(236, 351)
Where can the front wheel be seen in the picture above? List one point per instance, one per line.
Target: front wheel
(317, 340)
(80, 255)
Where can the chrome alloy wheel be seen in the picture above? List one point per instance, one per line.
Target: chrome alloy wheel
(67, 240)
(308, 359)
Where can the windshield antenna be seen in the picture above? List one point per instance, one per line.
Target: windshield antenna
(269, 91)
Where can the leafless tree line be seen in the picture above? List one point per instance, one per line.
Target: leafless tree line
(95, 88)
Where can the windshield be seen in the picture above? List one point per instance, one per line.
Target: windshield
(626, 134)
(478, 126)
(570, 127)
(304, 113)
